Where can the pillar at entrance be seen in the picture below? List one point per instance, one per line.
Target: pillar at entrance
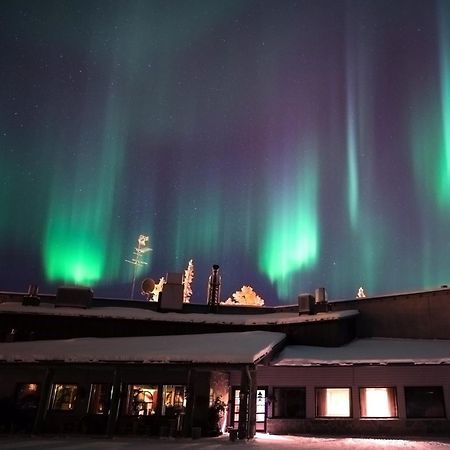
(115, 404)
(44, 400)
(247, 404)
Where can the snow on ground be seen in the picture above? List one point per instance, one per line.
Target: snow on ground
(261, 441)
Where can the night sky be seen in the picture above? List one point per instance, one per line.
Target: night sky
(297, 144)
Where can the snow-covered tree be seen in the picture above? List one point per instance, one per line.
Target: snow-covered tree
(360, 293)
(245, 296)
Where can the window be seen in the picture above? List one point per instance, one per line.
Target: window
(333, 402)
(174, 399)
(289, 402)
(27, 396)
(424, 401)
(260, 407)
(99, 399)
(378, 402)
(237, 401)
(64, 397)
(141, 399)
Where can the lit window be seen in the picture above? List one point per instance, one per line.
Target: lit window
(174, 399)
(424, 401)
(99, 398)
(378, 402)
(237, 401)
(64, 397)
(141, 399)
(260, 405)
(333, 402)
(289, 402)
(27, 396)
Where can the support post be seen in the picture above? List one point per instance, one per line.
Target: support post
(115, 404)
(190, 403)
(251, 430)
(44, 400)
(247, 404)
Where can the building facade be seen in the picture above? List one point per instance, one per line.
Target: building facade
(376, 366)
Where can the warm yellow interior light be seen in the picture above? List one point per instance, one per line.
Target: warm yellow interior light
(338, 402)
(377, 402)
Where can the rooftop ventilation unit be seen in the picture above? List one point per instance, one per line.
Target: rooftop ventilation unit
(306, 304)
(171, 297)
(74, 297)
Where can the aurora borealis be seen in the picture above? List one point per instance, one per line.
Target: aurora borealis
(297, 144)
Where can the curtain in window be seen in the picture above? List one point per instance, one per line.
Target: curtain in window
(333, 402)
(378, 402)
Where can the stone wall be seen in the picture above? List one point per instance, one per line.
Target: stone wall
(366, 427)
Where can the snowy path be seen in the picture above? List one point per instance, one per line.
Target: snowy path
(261, 441)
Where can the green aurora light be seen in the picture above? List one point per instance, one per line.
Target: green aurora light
(291, 240)
(77, 242)
(444, 168)
(296, 146)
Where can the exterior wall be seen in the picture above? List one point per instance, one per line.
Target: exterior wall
(423, 315)
(10, 378)
(79, 420)
(365, 427)
(330, 333)
(203, 385)
(10, 419)
(355, 377)
(219, 392)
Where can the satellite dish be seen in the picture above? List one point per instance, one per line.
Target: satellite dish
(147, 286)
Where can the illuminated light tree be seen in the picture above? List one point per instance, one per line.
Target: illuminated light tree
(187, 282)
(158, 288)
(245, 296)
(360, 293)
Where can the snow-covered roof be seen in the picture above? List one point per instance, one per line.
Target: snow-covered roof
(235, 348)
(368, 351)
(146, 314)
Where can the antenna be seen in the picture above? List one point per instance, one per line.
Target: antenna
(137, 259)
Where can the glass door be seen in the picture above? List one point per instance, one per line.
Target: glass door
(261, 409)
(261, 395)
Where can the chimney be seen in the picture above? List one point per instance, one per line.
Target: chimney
(321, 298)
(32, 298)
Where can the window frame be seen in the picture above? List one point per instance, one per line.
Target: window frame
(173, 407)
(20, 394)
(276, 399)
(94, 395)
(317, 405)
(442, 405)
(130, 410)
(393, 401)
(54, 397)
